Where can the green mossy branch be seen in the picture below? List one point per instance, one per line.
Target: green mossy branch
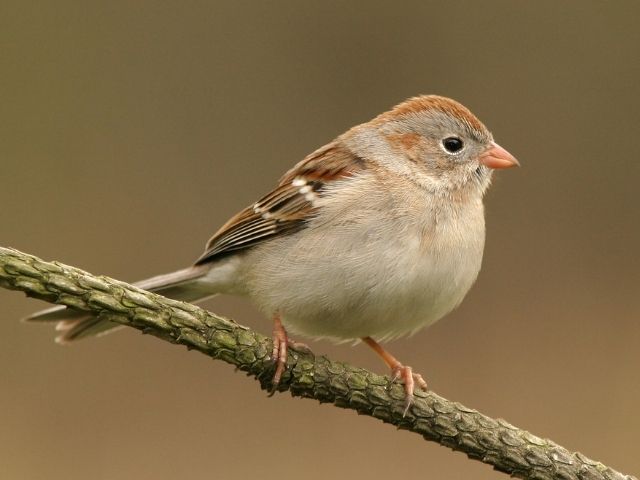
(495, 442)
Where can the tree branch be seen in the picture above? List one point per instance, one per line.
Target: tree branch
(495, 442)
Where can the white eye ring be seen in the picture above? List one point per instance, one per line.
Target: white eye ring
(452, 145)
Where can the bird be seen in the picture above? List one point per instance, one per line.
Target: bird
(372, 237)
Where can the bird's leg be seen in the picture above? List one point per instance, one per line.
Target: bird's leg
(399, 371)
(279, 353)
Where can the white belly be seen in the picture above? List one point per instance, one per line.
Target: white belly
(370, 278)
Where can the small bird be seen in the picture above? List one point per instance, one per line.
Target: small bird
(372, 237)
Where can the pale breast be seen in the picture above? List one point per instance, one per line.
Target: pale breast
(382, 268)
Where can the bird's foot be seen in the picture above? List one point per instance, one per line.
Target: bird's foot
(279, 352)
(299, 346)
(399, 372)
(410, 381)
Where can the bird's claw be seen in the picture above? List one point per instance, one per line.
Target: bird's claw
(410, 380)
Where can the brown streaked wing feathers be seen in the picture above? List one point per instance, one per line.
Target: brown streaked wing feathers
(285, 209)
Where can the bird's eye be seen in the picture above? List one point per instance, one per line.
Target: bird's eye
(452, 144)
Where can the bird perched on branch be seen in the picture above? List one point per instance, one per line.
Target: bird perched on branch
(373, 236)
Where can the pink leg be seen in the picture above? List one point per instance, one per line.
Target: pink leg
(279, 354)
(399, 371)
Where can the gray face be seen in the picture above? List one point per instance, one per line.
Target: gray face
(448, 148)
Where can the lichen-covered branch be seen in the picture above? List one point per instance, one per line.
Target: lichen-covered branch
(491, 441)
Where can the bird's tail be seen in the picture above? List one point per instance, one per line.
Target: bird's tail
(185, 285)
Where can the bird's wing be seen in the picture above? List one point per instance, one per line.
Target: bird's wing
(287, 208)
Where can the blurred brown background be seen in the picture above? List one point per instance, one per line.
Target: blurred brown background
(131, 130)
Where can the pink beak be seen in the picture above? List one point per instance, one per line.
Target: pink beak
(497, 157)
